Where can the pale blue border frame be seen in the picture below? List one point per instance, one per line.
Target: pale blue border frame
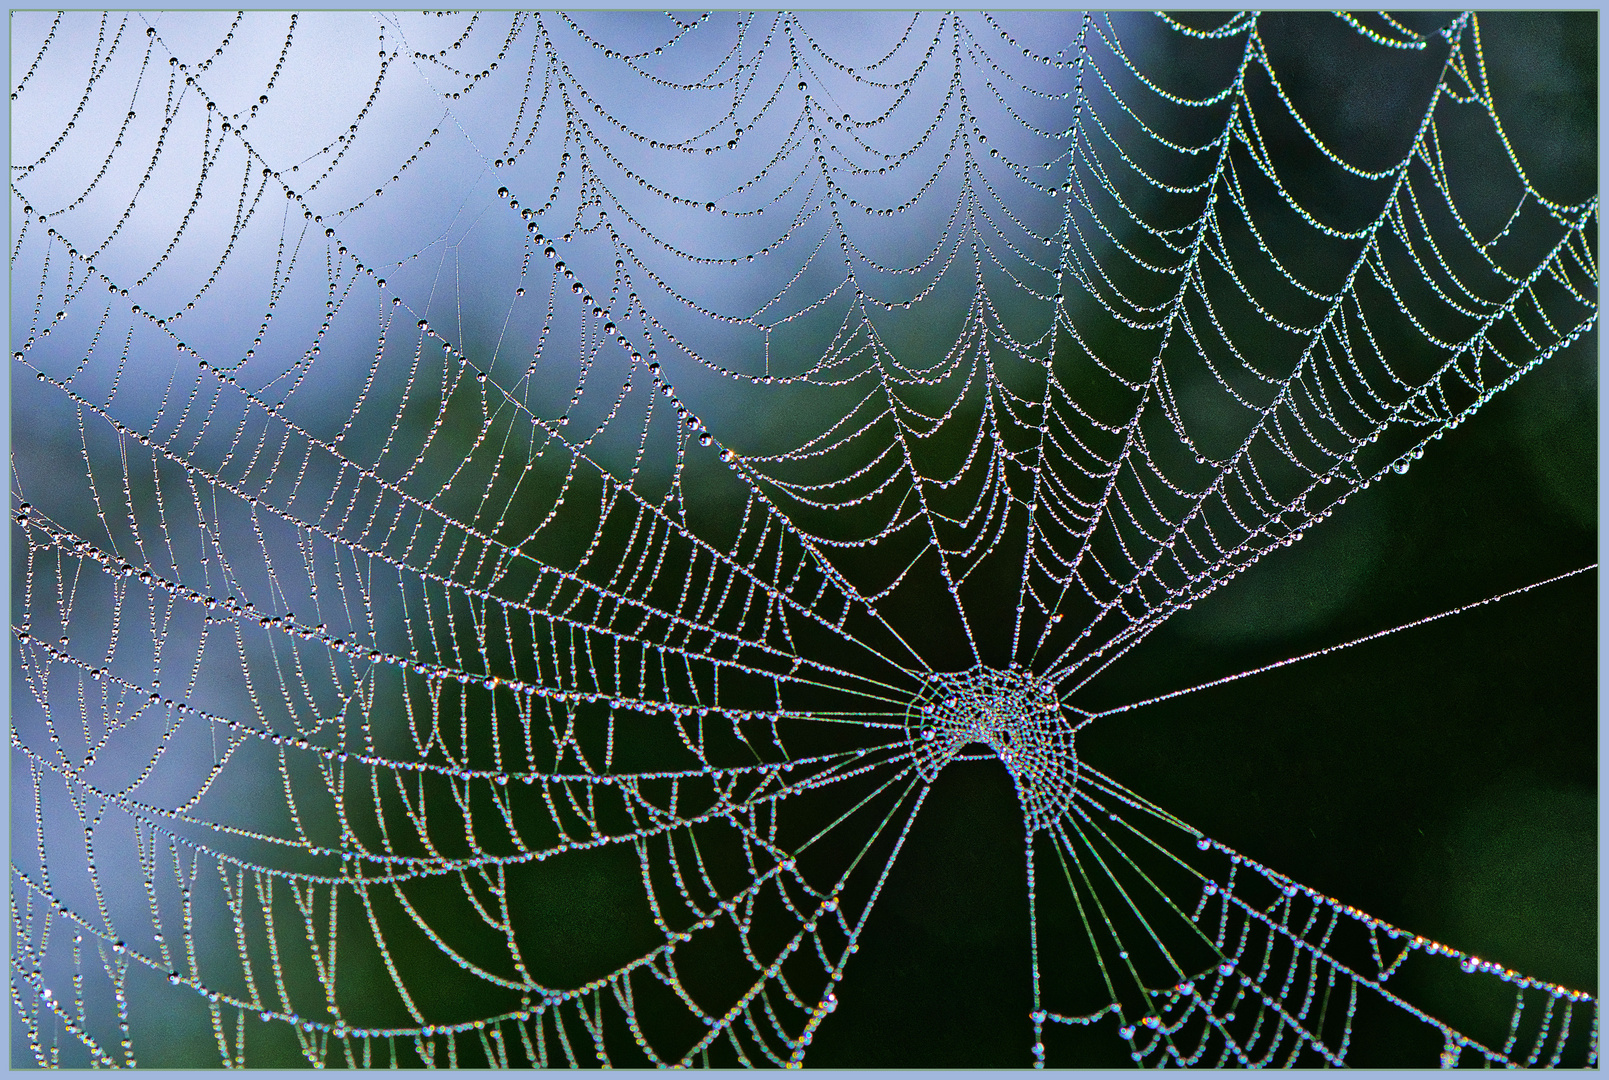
(1603, 400)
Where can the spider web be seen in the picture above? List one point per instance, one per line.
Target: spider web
(538, 500)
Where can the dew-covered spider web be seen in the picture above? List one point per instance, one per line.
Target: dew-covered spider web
(516, 516)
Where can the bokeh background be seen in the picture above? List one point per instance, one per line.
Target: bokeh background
(1443, 778)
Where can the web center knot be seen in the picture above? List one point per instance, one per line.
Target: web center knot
(1016, 715)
